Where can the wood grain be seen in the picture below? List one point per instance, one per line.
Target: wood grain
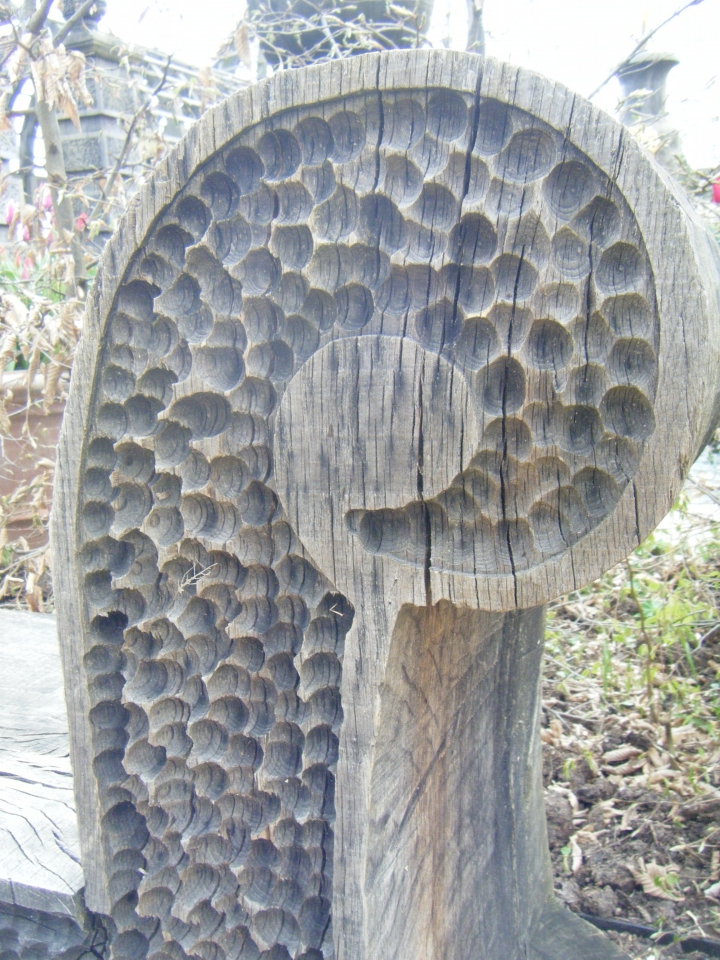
(386, 350)
(41, 879)
(456, 787)
(38, 831)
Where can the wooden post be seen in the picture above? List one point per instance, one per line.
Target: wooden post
(387, 354)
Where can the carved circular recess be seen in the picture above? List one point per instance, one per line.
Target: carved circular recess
(462, 224)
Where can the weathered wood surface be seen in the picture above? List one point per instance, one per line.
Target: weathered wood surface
(385, 351)
(41, 878)
(446, 816)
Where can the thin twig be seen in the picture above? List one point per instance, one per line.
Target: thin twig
(650, 650)
(326, 29)
(75, 18)
(126, 145)
(704, 489)
(648, 36)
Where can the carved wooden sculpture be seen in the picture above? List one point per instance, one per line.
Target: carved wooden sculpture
(387, 354)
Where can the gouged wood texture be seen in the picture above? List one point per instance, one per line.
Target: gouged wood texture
(243, 509)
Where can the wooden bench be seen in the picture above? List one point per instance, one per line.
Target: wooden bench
(41, 879)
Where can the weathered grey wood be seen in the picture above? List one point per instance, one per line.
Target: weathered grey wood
(38, 830)
(439, 779)
(452, 823)
(387, 354)
(34, 716)
(41, 879)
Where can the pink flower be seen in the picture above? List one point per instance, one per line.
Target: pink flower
(716, 191)
(46, 199)
(82, 222)
(10, 211)
(26, 234)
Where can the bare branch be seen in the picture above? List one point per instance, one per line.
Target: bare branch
(648, 36)
(326, 30)
(126, 145)
(8, 101)
(291, 38)
(37, 21)
(62, 202)
(75, 18)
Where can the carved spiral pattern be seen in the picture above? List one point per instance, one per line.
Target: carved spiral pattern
(217, 646)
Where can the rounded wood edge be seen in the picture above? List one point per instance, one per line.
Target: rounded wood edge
(687, 282)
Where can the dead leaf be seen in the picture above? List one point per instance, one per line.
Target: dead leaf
(17, 63)
(15, 313)
(33, 363)
(552, 734)
(656, 759)
(70, 314)
(665, 773)
(34, 599)
(577, 854)
(621, 754)
(205, 76)
(657, 881)
(7, 351)
(76, 74)
(625, 769)
(4, 419)
(58, 76)
(628, 817)
(713, 892)
(568, 794)
(52, 377)
(241, 42)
